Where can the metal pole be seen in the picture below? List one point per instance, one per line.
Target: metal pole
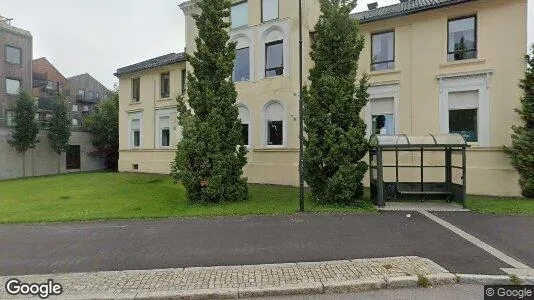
(301, 122)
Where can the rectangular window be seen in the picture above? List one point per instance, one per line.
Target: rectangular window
(50, 85)
(241, 65)
(239, 14)
(136, 86)
(73, 157)
(86, 108)
(463, 114)
(13, 55)
(269, 10)
(244, 134)
(462, 38)
(383, 51)
(275, 133)
(81, 95)
(165, 85)
(74, 122)
(184, 81)
(97, 96)
(165, 131)
(74, 107)
(90, 95)
(12, 86)
(382, 116)
(274, 59)
(136, 133)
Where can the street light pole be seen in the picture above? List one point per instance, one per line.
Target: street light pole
(301, 122)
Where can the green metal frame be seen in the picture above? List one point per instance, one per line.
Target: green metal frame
(451, 191)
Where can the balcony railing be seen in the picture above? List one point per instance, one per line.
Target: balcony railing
(86, 98)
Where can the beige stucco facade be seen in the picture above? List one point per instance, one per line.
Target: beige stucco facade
(420, 87)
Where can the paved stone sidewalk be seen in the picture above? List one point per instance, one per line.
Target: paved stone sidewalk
(245, 281)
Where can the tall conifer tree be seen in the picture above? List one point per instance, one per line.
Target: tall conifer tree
(335, 141)
(211, 156)
(522, 150)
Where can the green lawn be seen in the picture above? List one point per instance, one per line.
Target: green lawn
(105, 196)
(501, 205)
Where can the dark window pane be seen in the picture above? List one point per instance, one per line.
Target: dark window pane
(13, 55)
(184, 81)
(165, 85)
(383, 55)
(462, 39)
(136, 83)
(241, 65)
(165, 137)
(137, 138)
(73, 157)
(464, 122)
(274, 59)
(275, 132)
(383, 124)
(244, 133)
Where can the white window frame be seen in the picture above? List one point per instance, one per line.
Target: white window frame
(13, 79)
(172, 114)
(246, 17)
(239, 36)
(75, 107)
(249, 123)
(263, 10)
(464, 83)
(132, 117)
(264, 120)
(380, 92)
(75, 122)
(283, 27)
(20, 55)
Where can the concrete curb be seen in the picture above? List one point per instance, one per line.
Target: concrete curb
(294, 289)
(353, 286)
(317, 288)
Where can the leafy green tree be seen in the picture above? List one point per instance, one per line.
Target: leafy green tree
(335, 141)
(211, 156)
(522, 150)
(59, 128)
(26, 127)
(103, 123)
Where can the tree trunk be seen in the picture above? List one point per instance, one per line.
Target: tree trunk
(24, 164)
(59, 164)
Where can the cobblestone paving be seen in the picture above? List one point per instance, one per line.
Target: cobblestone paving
(232, 277)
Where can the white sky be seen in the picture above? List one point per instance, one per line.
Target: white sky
(99, 36)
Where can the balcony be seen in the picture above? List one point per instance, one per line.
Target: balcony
(87, 98)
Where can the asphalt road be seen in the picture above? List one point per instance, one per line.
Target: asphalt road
(108, 246)
(514, 235)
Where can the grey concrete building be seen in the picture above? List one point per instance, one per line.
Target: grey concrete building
(16, 73)
(85, 93)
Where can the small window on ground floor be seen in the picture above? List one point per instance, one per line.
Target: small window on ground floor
(244, 116)
(463, 114)
(382, 116)
(274, 115)
(73, 157)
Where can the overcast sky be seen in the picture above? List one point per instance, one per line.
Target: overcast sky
(99, 36)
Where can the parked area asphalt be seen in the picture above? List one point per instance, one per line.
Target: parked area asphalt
(179, 243)
(513, 235)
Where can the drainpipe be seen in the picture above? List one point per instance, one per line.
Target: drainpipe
(301, 123)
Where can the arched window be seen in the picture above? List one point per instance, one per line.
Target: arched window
(244, 116)
(274, 124)
(242, 60)
(274, 53)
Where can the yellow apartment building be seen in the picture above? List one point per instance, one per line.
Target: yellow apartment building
(435, 66)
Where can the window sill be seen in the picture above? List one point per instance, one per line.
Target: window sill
(384, 72)
(465, 62)
(13, 64)
(135, 102)
(275, 149)
(165, 99)
(274, 77)
(238, 27)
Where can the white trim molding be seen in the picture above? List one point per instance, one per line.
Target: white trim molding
(264, 30)
(264, 120)
(462, 82)
(378, 91)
